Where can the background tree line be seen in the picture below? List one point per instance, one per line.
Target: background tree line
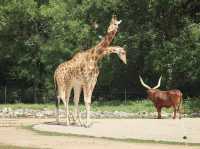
(160, 36)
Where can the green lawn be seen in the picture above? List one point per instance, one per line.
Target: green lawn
(111, 106)
(190, 105)
(2, 146)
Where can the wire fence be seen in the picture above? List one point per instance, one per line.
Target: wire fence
(9, 94)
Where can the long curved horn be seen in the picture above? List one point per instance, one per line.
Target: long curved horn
(158, 85)
(142, 82)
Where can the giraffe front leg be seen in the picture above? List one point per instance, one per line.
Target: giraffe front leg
(76, 112)
(88, 120)
(87, 99)
(77, 91)
(66, 112)
(88, 90)
(66, 103)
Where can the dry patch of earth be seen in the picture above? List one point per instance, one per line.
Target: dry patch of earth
(18, 136)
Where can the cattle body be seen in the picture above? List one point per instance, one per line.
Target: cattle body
(167, 99)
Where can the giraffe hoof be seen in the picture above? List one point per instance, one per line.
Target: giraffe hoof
(88, 125)
(67, 123)
(76, 124)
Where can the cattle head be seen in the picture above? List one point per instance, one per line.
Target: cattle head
(151, 90)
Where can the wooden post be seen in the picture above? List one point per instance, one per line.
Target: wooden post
(35, 91)
(5, 94)
(125, 96)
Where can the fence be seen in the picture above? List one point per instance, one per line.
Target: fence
(10, 94)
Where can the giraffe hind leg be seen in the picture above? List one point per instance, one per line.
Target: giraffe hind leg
(66, 103)
(57, 110)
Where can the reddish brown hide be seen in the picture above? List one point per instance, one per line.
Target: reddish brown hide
(167, 99)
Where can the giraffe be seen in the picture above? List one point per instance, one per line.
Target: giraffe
(81, 72)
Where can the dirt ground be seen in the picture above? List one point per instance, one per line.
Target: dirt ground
(22, 137)
(144, 129)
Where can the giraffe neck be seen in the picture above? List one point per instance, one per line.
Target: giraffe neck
(103, 52)
(105, 42)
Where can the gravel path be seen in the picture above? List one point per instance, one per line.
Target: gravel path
(145, 129)
(27, 138)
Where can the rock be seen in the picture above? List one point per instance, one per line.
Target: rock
(195, 114)
(48, 113)
(19, 112)
(39, 115)
(185, 115)
(45, 113)
(5, 110)
(9, 109)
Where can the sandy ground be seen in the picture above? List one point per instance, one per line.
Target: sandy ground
(145, 129)
(27, 138)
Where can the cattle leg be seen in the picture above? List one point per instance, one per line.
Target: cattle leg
(159, 112)
(180, 109)
(174, 113)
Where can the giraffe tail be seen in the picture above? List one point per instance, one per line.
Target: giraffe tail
(55, 86)
(55, 82)
(57, 101)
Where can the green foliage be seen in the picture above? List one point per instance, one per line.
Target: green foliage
(192, 105)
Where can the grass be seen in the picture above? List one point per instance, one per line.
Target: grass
(3, 146)
(110, 106)
(30, 127)
(130, 106)
(28, 106)
(190, 106)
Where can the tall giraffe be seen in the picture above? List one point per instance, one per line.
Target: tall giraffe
(81, 72)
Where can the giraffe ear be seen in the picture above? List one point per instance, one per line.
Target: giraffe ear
(118, 22)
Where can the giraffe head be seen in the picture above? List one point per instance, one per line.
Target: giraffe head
(113, 24)
(119, 51)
